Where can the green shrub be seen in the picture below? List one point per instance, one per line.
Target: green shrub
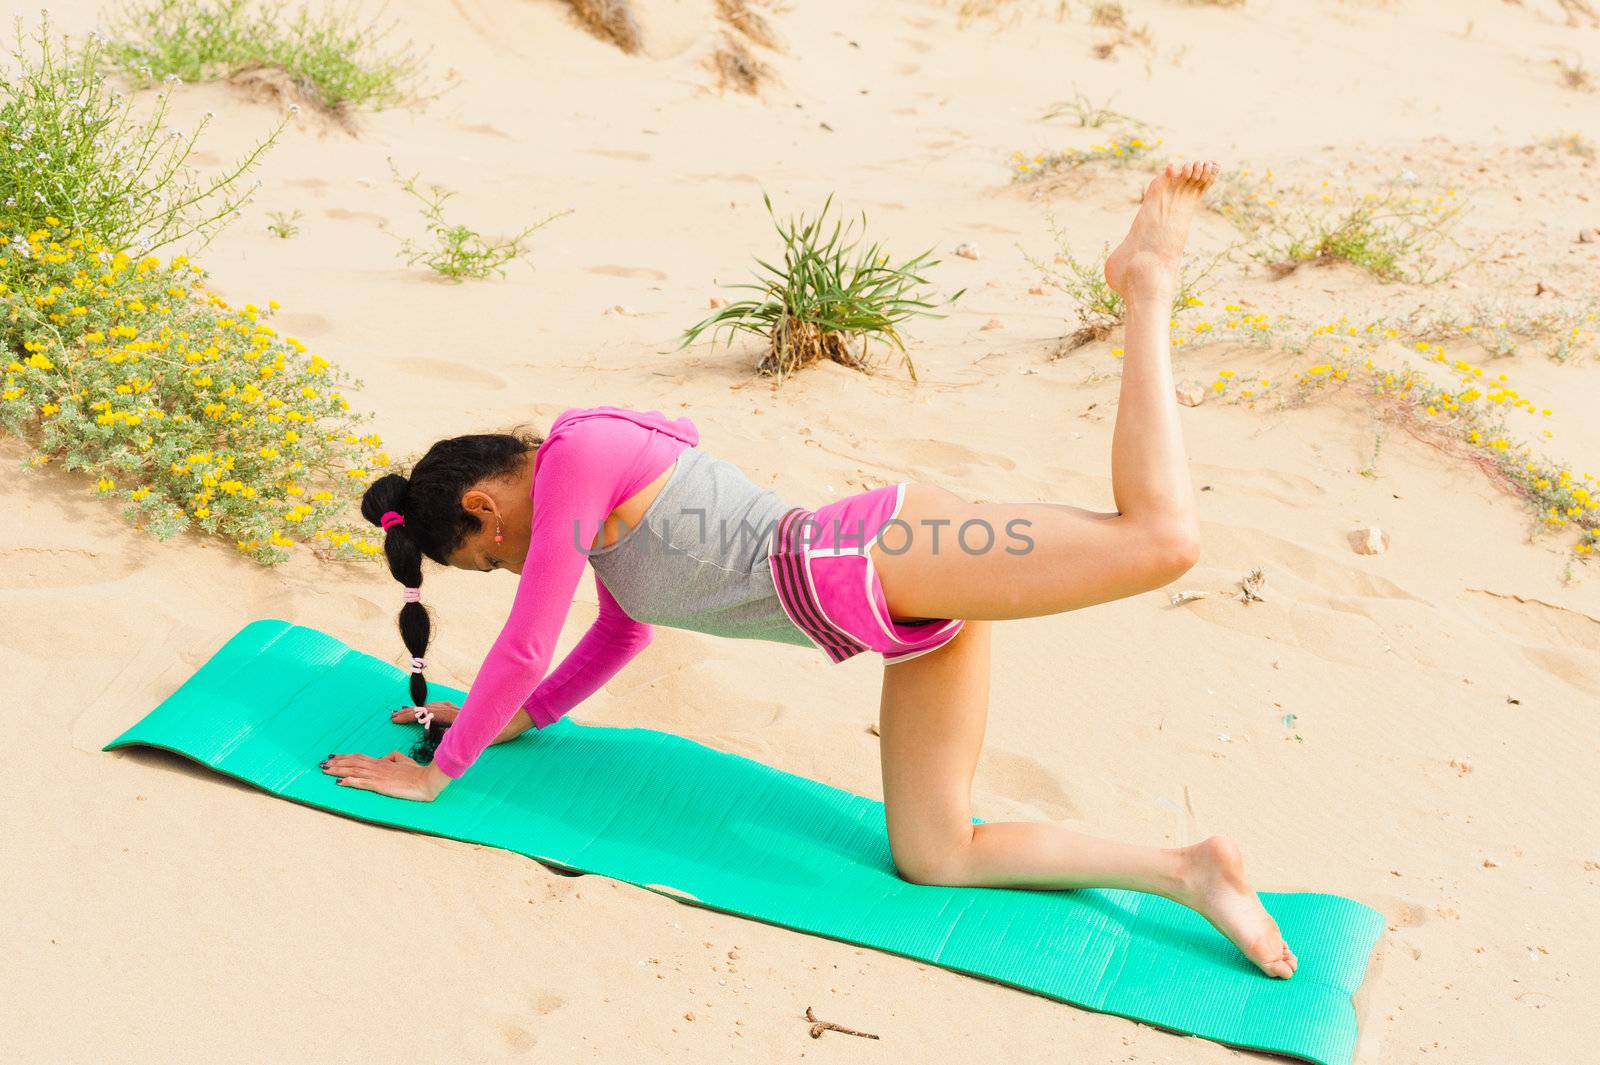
(830, 299)
(194, 413)
(72, 148)
(454, 250)
(334, 57)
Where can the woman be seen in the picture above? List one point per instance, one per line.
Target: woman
(869, 572)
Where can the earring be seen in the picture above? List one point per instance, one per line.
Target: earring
(497, 537)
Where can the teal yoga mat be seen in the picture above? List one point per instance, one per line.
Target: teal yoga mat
(734, 835)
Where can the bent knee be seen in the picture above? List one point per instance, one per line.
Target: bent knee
(937, 868)
(1171, 547)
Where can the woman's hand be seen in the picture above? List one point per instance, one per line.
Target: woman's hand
(443, 712)
(394, 775)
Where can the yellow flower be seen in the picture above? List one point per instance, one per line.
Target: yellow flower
(105, 484)
(1225, 374)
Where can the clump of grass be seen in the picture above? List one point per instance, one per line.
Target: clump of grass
(1109, 14)
(1122, 150)
(1004, 12)
(1090, 115)
(1571, 143)
(743, 17)
(610, 20)
(194, 413)
(454, 250)
(831, 298)
(73, 148)
(1393, 236)
(1099, 308)
(1560, 331)
(283, 224)
(1574, 75)
(1247, 199)
(334, 58)
(737, 67)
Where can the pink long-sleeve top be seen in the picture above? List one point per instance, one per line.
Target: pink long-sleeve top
(592, 459)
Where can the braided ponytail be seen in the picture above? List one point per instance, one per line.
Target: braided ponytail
(430, 520)
(387, 494)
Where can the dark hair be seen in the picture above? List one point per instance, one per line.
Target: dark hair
(436, 524)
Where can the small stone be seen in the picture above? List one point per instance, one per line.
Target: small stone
(1490, 863)
(716, 303)
(1191, 395)
(1589, 236)
(873, 728)
(689, 1016)
(1542, 289)
(619, 308)
(991, 324)
(967, 251)
(1036, 290)
(1369, 540)
(1461, 766)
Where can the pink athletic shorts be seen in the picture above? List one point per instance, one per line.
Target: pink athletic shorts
(829, 587)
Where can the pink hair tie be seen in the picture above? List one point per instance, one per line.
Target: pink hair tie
(391, 517)
(416, 665)
(423, 715)
(413, 595)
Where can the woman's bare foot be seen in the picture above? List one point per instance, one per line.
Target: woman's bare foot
(1145, 265)
(1216, 888)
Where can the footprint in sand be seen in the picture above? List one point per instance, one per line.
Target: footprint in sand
(941, 458)
(312, 183)
(1287, 488)
(517, 1038)
(637, 273)
(340, 214)
(366, 609)
(545, 1003)
(620, 153)
(303, 323)
(58, 567)
(454, 372)
(1399, 912)
(1563, 643)
(1030, 783)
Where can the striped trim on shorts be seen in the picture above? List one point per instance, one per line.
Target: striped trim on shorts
(841, 606)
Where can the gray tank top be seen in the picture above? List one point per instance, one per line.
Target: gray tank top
(698, 558)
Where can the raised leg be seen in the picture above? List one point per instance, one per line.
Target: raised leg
(958, 559)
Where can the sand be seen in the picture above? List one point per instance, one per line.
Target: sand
(155, 912)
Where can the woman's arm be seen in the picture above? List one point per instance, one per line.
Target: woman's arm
(611, 643)
(572, 496)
